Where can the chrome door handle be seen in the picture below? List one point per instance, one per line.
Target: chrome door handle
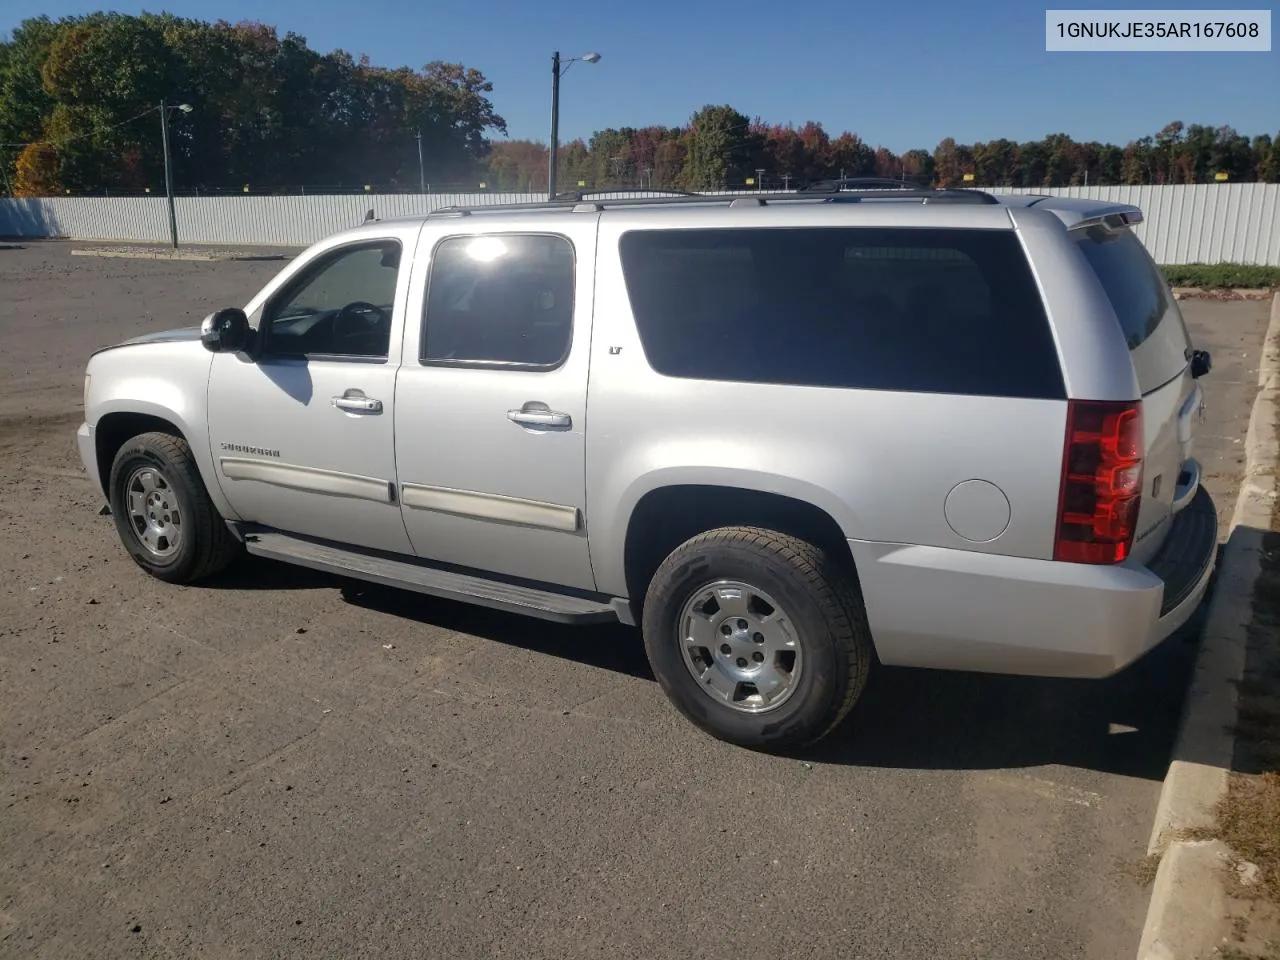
(357, 404)
(539, 415)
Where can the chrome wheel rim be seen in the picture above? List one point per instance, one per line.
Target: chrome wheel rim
(154, 515)
(740, 646)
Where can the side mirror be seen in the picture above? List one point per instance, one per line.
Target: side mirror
(1201, 363)
(225, 331)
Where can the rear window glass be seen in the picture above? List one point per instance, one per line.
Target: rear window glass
(1148, 315)
(919, 310)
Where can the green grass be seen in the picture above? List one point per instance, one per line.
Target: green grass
(1219, 276)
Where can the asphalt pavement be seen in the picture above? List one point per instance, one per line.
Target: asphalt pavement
(278, 764)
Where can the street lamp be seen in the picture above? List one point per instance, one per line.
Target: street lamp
(556, 74)
(168, 170)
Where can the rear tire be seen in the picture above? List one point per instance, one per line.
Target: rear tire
(163, 513)
(757, 637)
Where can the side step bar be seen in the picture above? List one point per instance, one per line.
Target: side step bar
(447, 584)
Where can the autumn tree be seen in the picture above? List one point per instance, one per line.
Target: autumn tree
(267, 109)
(37, 172)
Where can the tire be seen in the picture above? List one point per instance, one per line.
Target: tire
(703, 586)
(180, 536)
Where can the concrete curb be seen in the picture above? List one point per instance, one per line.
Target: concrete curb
(1187, 902)
(1186, 908)
(144, 255)
(1215, 293)
(164, 253)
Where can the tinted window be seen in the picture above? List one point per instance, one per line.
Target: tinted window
(937, 311)
(340, 306)
(500, 299)
(1140, 296)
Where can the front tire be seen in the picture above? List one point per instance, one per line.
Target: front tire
(163, 513)
(757, 637)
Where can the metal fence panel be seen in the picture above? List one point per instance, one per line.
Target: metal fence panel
(1201, 223)
(1195, 223)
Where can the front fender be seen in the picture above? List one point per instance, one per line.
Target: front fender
(166, 380)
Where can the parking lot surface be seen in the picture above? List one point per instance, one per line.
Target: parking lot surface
(278, 764)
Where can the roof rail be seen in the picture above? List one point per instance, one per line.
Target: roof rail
(580, 195)
(883, 183)
(571, 203)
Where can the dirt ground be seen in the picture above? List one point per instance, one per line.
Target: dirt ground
(278, 764)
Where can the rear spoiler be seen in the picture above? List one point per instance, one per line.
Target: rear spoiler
(1081, 212)
(1122, 218)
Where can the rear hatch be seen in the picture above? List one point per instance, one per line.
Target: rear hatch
(1161, 352)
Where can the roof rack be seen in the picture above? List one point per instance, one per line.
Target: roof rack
(579, 196)
(883, 183)
(571, 203)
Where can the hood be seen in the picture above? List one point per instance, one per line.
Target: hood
(163, 336)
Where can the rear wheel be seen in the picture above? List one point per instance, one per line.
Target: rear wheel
(757, 637)
(163, 513)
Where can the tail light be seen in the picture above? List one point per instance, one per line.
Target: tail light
(1101, 482)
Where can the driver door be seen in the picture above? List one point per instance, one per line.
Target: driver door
(302, 433)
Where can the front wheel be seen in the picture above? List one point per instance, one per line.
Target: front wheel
(163, 513)
(757, 637)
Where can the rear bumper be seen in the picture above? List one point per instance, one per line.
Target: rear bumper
(960, 610)
(88, 453)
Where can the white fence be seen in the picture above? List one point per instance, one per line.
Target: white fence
(1210, 223)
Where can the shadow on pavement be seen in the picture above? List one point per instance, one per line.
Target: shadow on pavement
(1257, 730)
(924, 719)
(254, 573)
(907, 718)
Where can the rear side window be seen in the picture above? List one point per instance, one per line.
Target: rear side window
(1139, 295)
(919, 310)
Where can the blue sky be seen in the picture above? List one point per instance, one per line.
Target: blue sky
(901, 75)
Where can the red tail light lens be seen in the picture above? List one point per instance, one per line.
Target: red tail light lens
(1101, 482)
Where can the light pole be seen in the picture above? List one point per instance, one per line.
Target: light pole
(168, 167)
(556, 74)
(422, 180)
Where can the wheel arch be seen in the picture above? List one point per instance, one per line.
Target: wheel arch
(117, 421)
(667, 516)
(114, 429)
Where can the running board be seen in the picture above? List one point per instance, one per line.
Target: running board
(530, 601)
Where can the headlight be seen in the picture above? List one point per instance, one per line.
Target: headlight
(87, 378)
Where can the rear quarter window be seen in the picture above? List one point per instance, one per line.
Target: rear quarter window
(1148, 315)
(918, 310)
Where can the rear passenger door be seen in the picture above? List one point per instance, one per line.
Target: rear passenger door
(490, 418)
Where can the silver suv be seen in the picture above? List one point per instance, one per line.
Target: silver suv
(789, 436)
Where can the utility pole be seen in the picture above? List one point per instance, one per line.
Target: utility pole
(555, 125)
(786, 180)
(422, 180)
(168, 174)
(553, 159)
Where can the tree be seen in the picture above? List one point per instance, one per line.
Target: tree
(850, 154)
(272, 112)
(719, 149)
(948, 167)
(1271, 166)
(37, 172)
(268, 110)
(1136, 167)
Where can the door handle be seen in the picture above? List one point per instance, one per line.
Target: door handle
(535, 414)
(353, 401)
